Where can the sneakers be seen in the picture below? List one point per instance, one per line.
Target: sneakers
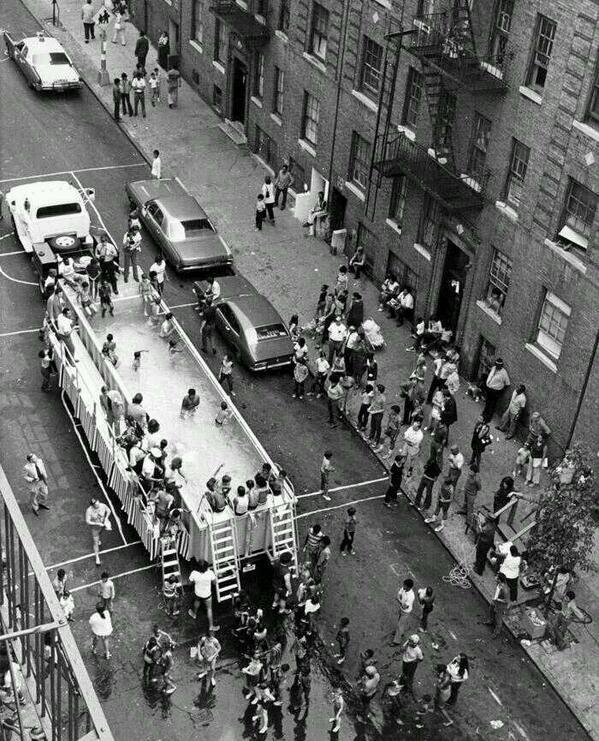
(326, 497)
(439, 528)
(201, 675)
(170, 690)
(213, 682)
(192, 614)
(107, 655)
(429, 519)
(341, 660)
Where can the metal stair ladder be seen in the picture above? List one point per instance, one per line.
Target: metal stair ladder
(282, 529)
(169, 559)
(225, 559)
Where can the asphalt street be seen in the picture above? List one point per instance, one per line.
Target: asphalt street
(506, 697)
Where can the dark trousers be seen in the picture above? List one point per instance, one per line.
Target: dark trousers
(426, 611)
(109, 274)
(436, 383)
(226, 380)
(207, 332)
(299, 388)
(408, 408)
(260, 216)
(347, 542)
(477, 453)
(281, 192)
(391, 493)
(491, 403)
(139, 99)
(363, 416)
(333, 408)
(376, 421)
(408, 670)
(270, 210)
(126, 103)
(141, 59)
(88, 29)
(482, 548)
(425, 485)
(117, 109)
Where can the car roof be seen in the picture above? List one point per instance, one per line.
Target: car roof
(232, 286)
(181, 207)
(254, 311)
(61, 192)
(45, 43)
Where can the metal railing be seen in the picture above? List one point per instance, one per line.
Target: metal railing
(40, 639)
(454, 191)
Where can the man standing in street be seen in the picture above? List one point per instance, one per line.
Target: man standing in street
(142, 47)
(116, 98)
(449, 411)
(159, 269)
(126, 95)
(107, 254)
(208, 324)
(337, 336)
(513, 412)
(498, 606)
(484, 542)
(326, 469)
(410, 658)
(87, 16)
(395, 477)
(497, 381)
(405, 598)
(156, 165)
(172, 87)
(97, 517)
(131, 251)
(37, 480)
(283, 182)
(138, 85)
(455, 460)
(202, 579)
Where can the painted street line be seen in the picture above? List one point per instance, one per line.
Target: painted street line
(453, 635)
(16, 280)
(92, 555)
(495, 697)
(71, 172)
(345, 486)
(20, 331)
(521, 731)
(338, 506)
(11, 254)
(113, 577)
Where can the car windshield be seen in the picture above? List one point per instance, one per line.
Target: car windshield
(53, 57)
(196, 227)
(271, 332)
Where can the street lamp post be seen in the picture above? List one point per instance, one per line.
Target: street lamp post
(103, 78)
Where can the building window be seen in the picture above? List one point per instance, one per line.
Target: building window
(517, 173)
(397, 203)
(310, 119)
(266, 147)
(481, 133)
(219, 41)
(578, 215)
(319, 31)
(541, 53)
(217, 98)
(372, 65)
(197, 21)
(284, 15)
(299, 176)
(369, 243)
(428, 222)
(553, 323)
(279, 88)
(413, 97)
(593, 109)
(258, 75)
(359, 161)
(499, 281)
(402, 273)
(445, 121)
(500, 30)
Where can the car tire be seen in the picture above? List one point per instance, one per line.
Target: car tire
(63, 243)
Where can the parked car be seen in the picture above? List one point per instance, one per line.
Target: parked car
(250, 324)
(43, 61)
(179, 225)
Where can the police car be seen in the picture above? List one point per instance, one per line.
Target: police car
(44, 63)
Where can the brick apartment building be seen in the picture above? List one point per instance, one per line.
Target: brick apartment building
(466, 161)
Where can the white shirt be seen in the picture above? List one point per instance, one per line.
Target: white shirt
(268, 191)
(97, 516)
(406, 600)
(134, 238)
(413, 439)
(202, 583)
(322, 365)
(64, 325)
(138, 84)
(101, 626)
(407, 301)
(510, 567)
(160, 270)
(337, 332)
(156, 168)
(456, 460)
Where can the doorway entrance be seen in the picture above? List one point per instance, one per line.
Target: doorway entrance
(337, 209)
(173, 37)
(239, 90)
(452, 286)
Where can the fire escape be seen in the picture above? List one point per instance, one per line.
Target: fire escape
(445, 45)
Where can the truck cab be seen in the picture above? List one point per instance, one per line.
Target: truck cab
(53, 212)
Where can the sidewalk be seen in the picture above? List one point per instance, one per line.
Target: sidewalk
(226, 178)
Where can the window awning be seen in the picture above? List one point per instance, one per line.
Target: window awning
(243, 23)
(570, 235)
